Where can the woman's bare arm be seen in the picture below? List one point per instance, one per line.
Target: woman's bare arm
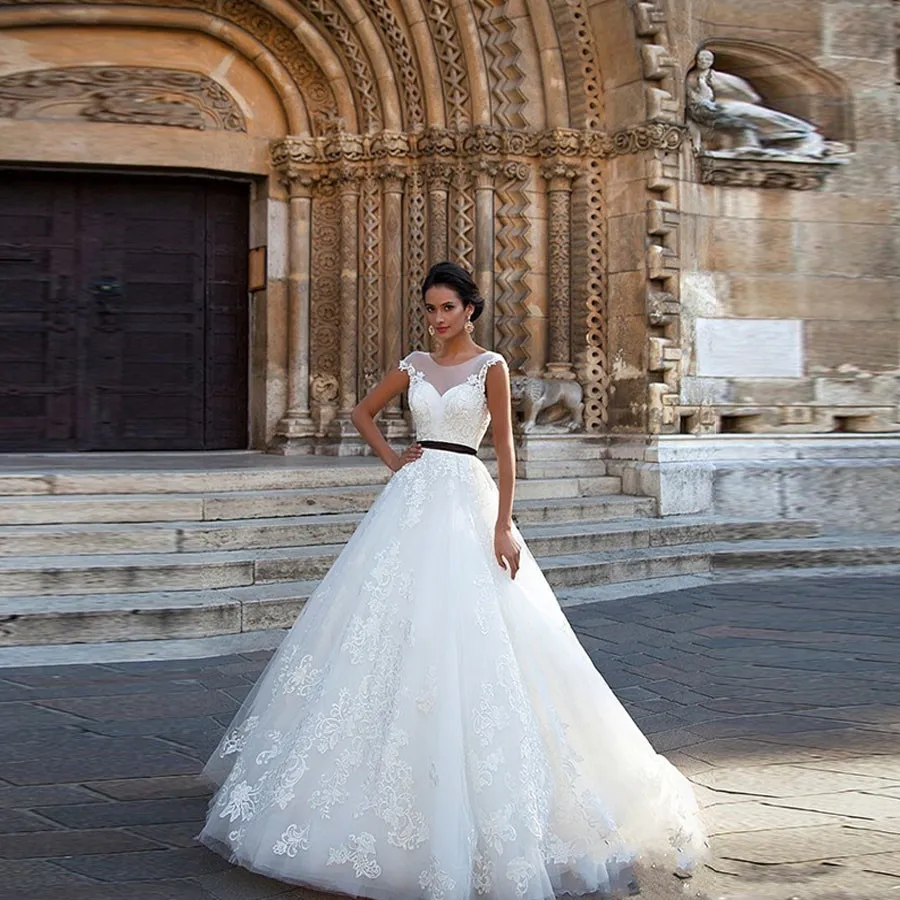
(506, 549)
(363, 416)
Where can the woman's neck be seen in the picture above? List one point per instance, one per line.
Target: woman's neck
(463, 345)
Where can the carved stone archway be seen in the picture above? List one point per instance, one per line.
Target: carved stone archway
(422, 130)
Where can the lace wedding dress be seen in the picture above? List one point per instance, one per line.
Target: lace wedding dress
(430, 728)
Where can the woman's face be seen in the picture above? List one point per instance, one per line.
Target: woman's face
(445, 311)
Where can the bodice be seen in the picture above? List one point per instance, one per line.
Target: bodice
(448, 403)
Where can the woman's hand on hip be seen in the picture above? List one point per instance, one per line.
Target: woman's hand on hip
(410, 454)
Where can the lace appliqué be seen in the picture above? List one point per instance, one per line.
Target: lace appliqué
(293, 840)
(359, 851)
(435, 882)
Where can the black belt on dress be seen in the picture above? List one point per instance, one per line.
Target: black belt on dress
(450, 448)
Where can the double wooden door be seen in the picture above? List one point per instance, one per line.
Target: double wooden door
(123, 313)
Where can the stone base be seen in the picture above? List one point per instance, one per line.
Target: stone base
(843, 480)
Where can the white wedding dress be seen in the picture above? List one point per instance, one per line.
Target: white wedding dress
(430, 728)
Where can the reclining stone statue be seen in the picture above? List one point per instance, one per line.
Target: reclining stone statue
(730, 119)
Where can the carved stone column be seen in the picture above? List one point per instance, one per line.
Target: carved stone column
(392, 177)
(297, 424)
(349, 187)
(485, 173)
(439, 175)
(559, 177)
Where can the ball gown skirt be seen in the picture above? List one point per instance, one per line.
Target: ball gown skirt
(431, 728)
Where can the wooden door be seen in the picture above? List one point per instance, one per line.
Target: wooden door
(123, 313)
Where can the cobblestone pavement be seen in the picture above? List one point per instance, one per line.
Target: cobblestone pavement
(778, 699)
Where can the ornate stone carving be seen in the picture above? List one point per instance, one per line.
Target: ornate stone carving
(451, 61)
(439, 175)
(505, 77)
(266, 28)
(135, 95)
(512, 268)
(344, 35)
(559, 178)
(766, 173)
(534, 396)
(732, 121)
(590, 297)
(396, 41)
(476, 144)
(370, 327)
(462, 204)
(581, 62)
(415, 260)
(325, 320)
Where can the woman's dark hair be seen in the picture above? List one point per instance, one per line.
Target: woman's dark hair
(449, 274)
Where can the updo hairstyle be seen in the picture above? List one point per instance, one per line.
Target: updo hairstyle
(449, 274)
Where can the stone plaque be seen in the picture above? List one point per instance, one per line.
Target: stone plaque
(749, 348)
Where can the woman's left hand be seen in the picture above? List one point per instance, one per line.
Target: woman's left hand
(506, 550)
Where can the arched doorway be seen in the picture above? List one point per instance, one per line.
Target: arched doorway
(123, 311)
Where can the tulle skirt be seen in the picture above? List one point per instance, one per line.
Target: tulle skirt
(430, 728)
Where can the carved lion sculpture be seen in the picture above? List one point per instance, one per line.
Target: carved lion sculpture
(534, 395)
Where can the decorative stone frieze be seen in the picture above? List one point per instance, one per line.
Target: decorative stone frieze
(795, 175)
(135, 95)
(478, 143)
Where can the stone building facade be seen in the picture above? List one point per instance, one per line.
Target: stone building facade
(542, 143)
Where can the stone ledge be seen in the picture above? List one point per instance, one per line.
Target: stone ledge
(792, 174)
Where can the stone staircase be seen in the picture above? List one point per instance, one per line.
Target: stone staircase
(138, 548)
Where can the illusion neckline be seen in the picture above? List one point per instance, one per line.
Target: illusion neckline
(457, 365)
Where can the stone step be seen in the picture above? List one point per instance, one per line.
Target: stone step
(235, 564)
(603, 508)
(305, 472)
(593, 568)
(69, 533)
(303, 531)
(245, 504)
(160, 615)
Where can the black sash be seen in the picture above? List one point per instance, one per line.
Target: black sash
(450, 448)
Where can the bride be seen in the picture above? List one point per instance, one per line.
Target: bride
(430, 727)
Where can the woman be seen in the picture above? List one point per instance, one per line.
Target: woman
(431, 727)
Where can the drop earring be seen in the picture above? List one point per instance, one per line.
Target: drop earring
(431, 330)
(469, 326)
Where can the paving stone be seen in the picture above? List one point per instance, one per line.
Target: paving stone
(161, 788)
(41, 845)
(180, 889)
(881, 863)
(785, 781)
(173, 834)
(136, 812)
(16, 821)
(147, 757)
(22, 878)
(847, 803)
(725, 818)
(46, 795)
(146, 706)
(791, 845)
(147, 865)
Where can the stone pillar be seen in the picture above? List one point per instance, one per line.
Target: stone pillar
(439, 174)
(484, 249)
(559, 177)
(296, 427)
(392, 177)
(349, 187)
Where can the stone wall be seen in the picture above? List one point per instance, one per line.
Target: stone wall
(791, 298)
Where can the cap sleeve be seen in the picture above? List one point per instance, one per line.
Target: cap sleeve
(495, 359)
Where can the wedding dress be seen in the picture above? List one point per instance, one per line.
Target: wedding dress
(431, 728)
